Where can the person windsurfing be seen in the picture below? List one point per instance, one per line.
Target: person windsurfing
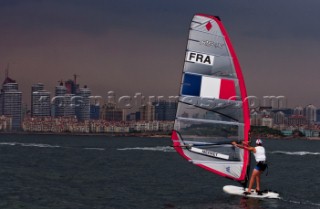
(260, 157)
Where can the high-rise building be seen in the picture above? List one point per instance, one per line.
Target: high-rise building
(282, 102)
(274, 102)
(279, 118)
(137, 116)
(311, 114)
(83, 104)
(165, 111)
(147, 112)
(94, 112)
(11, 102)
(298, 111)
(40, 101)
(111, 112)
(69, 107)
(318, 115)
(71, 100)
(34, 88)
(267, 121)
(72, 86)
(255, 118)
(95, 108)
(60, 92)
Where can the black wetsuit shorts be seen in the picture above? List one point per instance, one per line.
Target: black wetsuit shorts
(261, 166)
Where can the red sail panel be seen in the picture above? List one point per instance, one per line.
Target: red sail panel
(227, 89)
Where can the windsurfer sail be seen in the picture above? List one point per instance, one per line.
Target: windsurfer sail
(212, 110)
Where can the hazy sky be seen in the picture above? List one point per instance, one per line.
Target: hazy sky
(138, 46)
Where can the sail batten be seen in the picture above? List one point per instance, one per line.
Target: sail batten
(211, 121)
(212, 108)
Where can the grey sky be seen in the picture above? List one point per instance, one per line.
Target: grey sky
(139, 46)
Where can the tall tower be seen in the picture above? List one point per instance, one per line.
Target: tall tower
(11, 101)
(311, 114)
(147, 112)
(40, 100)
(279, 118)
(60, 92)
(83, 104)
(72, 86)
(255, 118)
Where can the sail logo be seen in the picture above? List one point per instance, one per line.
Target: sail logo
(200, 58)
(212, 44)
(208, 26)
(228, 169)
(212, 154)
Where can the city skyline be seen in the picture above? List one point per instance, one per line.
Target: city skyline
(138, 99)
(130, 47)
(71, 110)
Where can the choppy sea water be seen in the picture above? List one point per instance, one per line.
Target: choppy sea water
(84, 172)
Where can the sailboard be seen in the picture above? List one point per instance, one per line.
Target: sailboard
(235, 190)
(212, 108)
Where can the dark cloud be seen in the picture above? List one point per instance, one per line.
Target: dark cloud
(138, 46)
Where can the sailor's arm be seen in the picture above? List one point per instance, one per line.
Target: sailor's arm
(243, 146)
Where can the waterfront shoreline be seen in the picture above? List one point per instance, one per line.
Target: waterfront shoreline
(313, 138)
(144, 134)
(153, 135)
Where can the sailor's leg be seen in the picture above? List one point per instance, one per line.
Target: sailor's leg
(252, 179)
(258, 181)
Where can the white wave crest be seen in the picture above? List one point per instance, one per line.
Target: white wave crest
(302, 202)
(299, 153)
(94, 148)
(158, 148)
(8, 143)
(28, 145)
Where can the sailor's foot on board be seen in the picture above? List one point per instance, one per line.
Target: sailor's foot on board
(258, 192)
(246, 193)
